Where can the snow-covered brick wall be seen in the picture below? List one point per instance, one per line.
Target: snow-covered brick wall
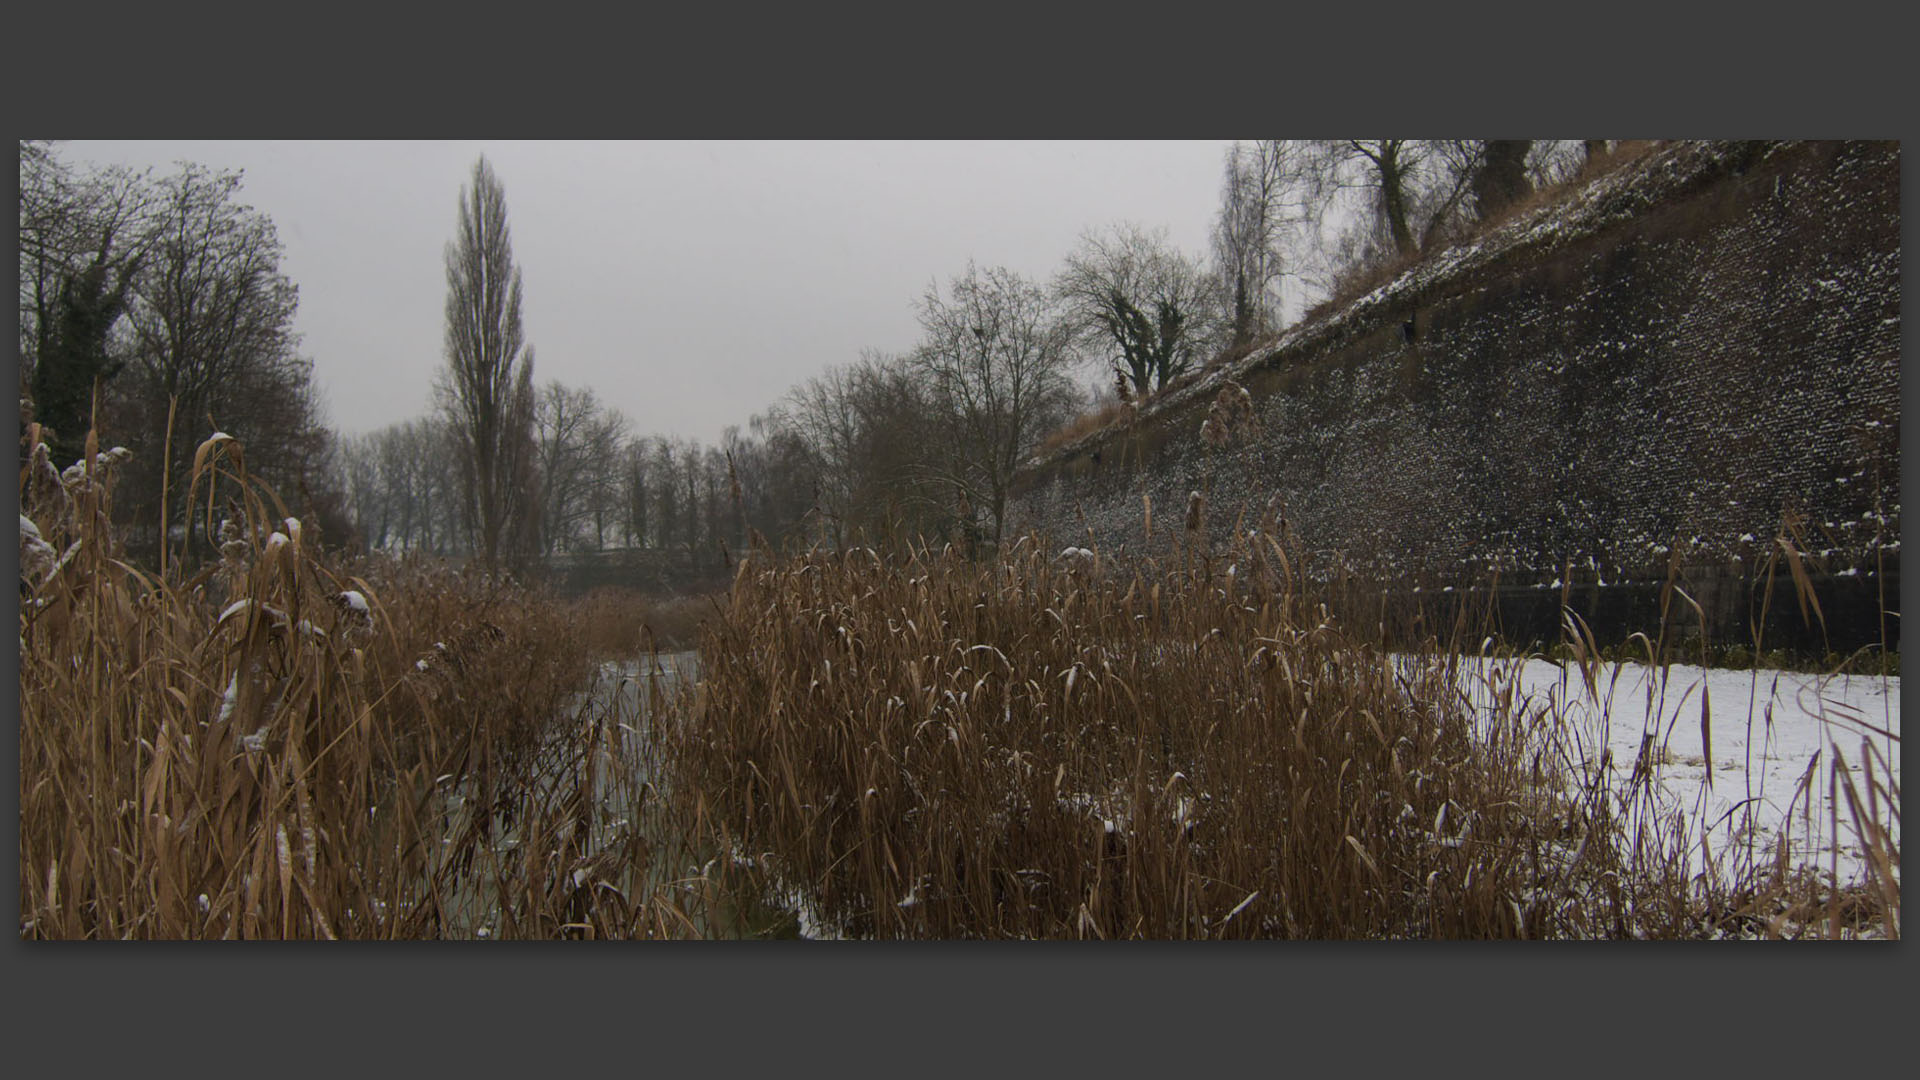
(1685, 352)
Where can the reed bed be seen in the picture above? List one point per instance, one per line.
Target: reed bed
(1053, 745)
(1049, 747)
(621, 622)
(279, 745)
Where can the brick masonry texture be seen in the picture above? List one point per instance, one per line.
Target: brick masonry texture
(1687, 351)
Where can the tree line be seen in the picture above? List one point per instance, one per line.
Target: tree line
(153, 307)
(158, 302)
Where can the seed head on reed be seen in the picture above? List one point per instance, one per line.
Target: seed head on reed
(36, 555)
(1213, 432)
(1231, 415)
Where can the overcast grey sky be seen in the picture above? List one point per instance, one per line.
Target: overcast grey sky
(689, 284)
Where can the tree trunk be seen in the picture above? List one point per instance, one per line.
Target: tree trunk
(1242, 311)
(1393, 200)
(1502, 179)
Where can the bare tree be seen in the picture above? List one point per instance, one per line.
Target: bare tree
(577, 446)
(713, 479)
(1381, 172)
(213, 348)
(1555, 161)
(83, 237)
(486, 388)
(1259, 205)
(690, 499)
(1397, 197)
(824, 414)
(602, 443)
(419, 459)
(901, 494)
(1384, 168)
(560, 418)
(397, 486)
(372, 510)
(407, 483)
(1151, 309)
(635, 492)
(996, 355)
(863, 427)
(665, 471)
(778, 476)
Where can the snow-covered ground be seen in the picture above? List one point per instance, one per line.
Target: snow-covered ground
(1762, 768)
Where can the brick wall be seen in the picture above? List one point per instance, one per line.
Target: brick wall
(1685, 351)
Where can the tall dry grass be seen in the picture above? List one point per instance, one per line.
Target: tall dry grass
(279, 745)
(620, 623)
(1055, 745)
(1101, 416)
(1050, 746)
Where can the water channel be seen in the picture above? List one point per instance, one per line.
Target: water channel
(624, 839)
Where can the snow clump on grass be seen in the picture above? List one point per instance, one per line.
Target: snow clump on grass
(36, 555)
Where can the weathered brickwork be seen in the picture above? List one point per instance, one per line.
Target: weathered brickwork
(1692, 347)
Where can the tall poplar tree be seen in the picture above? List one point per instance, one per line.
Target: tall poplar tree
(486, 388)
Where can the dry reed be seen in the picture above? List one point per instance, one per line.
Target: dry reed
(281, 746)
(1055, 747)
(924, 745)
